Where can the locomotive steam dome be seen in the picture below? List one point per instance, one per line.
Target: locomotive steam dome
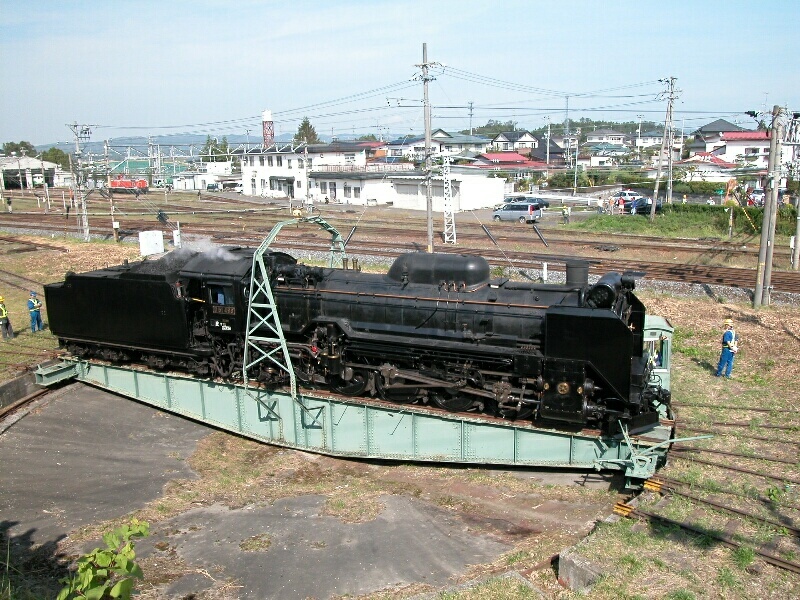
(422, 267)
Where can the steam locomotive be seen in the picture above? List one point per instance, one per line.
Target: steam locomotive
(435, 329)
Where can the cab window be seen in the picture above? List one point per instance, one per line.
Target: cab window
(221, 294)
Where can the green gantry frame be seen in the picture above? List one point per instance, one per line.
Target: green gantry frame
(264, 339)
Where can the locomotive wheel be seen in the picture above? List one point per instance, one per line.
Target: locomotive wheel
(354, 387)
(453, 401)
(401, 396)
(526, 412)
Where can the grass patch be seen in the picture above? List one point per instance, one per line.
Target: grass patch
(256, 543)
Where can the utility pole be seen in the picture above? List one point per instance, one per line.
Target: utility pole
(547, 141)
(470, 119)
(82, 134)
(577, 146)
(639, 138)
(428, 169)
(760, 293)
(670, 81)
(775, 181)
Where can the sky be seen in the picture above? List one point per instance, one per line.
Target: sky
(212, 67)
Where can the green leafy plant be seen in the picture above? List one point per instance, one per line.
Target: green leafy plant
(107, 572)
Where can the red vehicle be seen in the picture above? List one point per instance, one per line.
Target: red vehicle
(126, 184)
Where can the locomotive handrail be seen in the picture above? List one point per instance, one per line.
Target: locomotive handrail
(262, 313)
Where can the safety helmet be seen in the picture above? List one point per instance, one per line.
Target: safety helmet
(33, 293)
(728, 322)
(2, 299)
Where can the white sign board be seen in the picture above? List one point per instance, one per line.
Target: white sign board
(176, 238)
(151, 242)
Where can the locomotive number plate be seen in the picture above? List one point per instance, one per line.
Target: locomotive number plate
(223, 310)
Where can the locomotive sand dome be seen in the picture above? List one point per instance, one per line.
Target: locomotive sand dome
(436, 330)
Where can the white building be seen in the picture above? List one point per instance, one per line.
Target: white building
(203, 175)
(605, 136)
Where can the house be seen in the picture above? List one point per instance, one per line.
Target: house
(649, 139)
(513, 163)
(202, 175)
(442, 143)
(539, 152)
(705, 166)
(709, 137)
(605, 136)
(513, 141)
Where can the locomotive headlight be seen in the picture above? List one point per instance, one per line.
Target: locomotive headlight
(601, 295)
(563, 388)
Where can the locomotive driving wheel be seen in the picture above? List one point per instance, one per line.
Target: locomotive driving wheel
(354, 387)
(452, 400)
(401, 395)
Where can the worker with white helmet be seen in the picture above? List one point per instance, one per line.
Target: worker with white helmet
(5, 322)
(730, 346)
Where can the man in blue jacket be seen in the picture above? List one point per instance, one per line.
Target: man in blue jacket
(730, 346)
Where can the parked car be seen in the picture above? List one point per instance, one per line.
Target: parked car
(542, 202)
(757, 196)
(641, 206)
(626, 195)
(212, 187)
(524, 212)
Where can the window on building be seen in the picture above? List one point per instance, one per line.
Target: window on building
(298, 184)
(505, 145)
(278, 161)
(263, 184)
(252, 161)
(332, 189)
(272, 184)
(347, 191)
(356, 192)
(349, 158)
(269, 161)
(323, 187)
(397, 152)
(299, 163)
(261, 160)
(309, 163)
(289, 163)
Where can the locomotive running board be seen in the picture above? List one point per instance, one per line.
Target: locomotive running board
(337, 426)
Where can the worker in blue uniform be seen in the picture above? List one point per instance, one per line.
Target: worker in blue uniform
(730, 346)
(35, 310)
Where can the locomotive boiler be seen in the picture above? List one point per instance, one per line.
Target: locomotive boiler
(435, 329)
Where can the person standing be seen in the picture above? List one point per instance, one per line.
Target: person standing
(730, 346)
(35, 310)
(565, 214)
(5, 322)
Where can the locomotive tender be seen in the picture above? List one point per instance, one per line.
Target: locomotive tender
(435, 329)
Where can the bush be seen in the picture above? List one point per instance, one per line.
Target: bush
(785, 223)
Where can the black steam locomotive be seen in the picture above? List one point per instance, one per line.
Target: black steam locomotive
(435, 329)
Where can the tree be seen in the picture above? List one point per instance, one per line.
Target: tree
(214, 150)
(367, 138)
(19, 147)
(58, 156)
(492, 128)
(306, 133)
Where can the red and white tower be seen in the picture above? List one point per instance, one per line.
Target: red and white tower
(268, 128)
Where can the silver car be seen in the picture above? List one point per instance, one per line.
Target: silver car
(524, 212)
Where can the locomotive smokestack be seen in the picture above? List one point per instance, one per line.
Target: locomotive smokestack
(577, 273)
(268, 128)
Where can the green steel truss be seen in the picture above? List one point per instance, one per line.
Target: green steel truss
(264, 339)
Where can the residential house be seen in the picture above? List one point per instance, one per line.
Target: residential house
(705, 166)
(648, 139)
(709, 137)
(605, 136)
(513, 141)
(442, 143)
(555, 157)
(513, 163)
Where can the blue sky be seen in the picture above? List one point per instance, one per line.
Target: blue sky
(211, 67)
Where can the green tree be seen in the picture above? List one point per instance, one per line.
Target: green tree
(367, 138)
(214, 150)
(306, 133)
(58, 156)
(493, 127)
(19, 147)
